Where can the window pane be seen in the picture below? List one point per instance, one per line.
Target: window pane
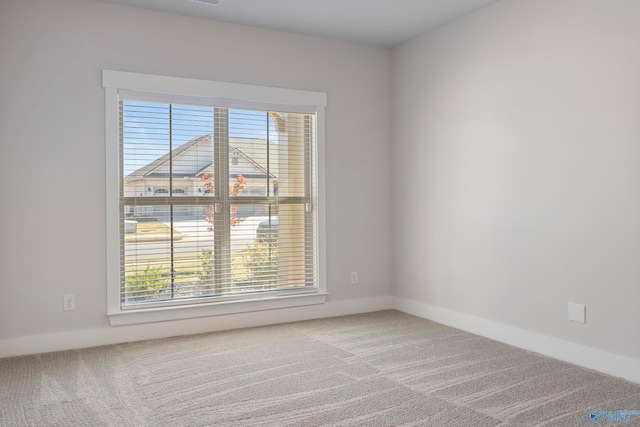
(295, 246)
(145, 138)
(168, 149)
(270, 150)
(289, 154)
(192, 157)
(165, 258)
(271, 249)
(248, 155)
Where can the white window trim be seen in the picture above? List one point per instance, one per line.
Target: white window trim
(116, 82)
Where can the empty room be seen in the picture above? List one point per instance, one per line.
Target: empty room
(299, 213)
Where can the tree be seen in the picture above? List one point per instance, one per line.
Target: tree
(206, 257)
(235, 191)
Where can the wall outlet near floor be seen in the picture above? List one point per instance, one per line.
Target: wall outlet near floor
(354, 277)
(69, 302)
(577, 312)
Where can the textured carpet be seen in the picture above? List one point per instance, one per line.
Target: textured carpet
(377, 369)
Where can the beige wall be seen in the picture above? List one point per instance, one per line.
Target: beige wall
(52, 152)
(516, 134)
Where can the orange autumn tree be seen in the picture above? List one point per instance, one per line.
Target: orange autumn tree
(206, 257)
(235, 191)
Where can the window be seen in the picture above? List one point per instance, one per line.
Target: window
(216, 235)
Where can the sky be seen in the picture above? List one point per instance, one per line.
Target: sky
(147, 126)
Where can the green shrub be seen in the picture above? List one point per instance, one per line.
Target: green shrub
(262, 262)
(146, 284)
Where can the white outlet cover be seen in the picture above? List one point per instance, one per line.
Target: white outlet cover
(69, 303)
(577, 312)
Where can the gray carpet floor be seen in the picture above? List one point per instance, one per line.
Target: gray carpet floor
(378, 369)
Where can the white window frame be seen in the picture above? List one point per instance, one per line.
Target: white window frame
(116, 82)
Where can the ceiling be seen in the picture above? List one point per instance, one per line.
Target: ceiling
(378, 22)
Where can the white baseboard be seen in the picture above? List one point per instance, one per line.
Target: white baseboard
(587, 357)
(114, 335)
(576, 354)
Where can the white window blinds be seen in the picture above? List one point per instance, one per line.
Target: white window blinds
(216, 203)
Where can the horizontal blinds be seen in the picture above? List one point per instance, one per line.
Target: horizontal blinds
(216, 203)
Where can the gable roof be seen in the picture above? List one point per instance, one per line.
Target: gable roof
(192, 160)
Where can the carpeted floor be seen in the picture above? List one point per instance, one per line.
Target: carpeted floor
(377, 369)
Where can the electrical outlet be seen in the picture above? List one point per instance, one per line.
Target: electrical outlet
(354, 277)
(577, 312)
(69, 302)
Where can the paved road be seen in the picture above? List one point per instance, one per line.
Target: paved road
(196, 238)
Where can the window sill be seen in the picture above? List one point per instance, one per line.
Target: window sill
(162, 314)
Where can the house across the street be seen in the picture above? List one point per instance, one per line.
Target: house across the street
(190, 162)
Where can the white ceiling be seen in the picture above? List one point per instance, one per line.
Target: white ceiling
(379, 22)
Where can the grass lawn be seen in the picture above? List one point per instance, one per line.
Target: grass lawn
(151, 230)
